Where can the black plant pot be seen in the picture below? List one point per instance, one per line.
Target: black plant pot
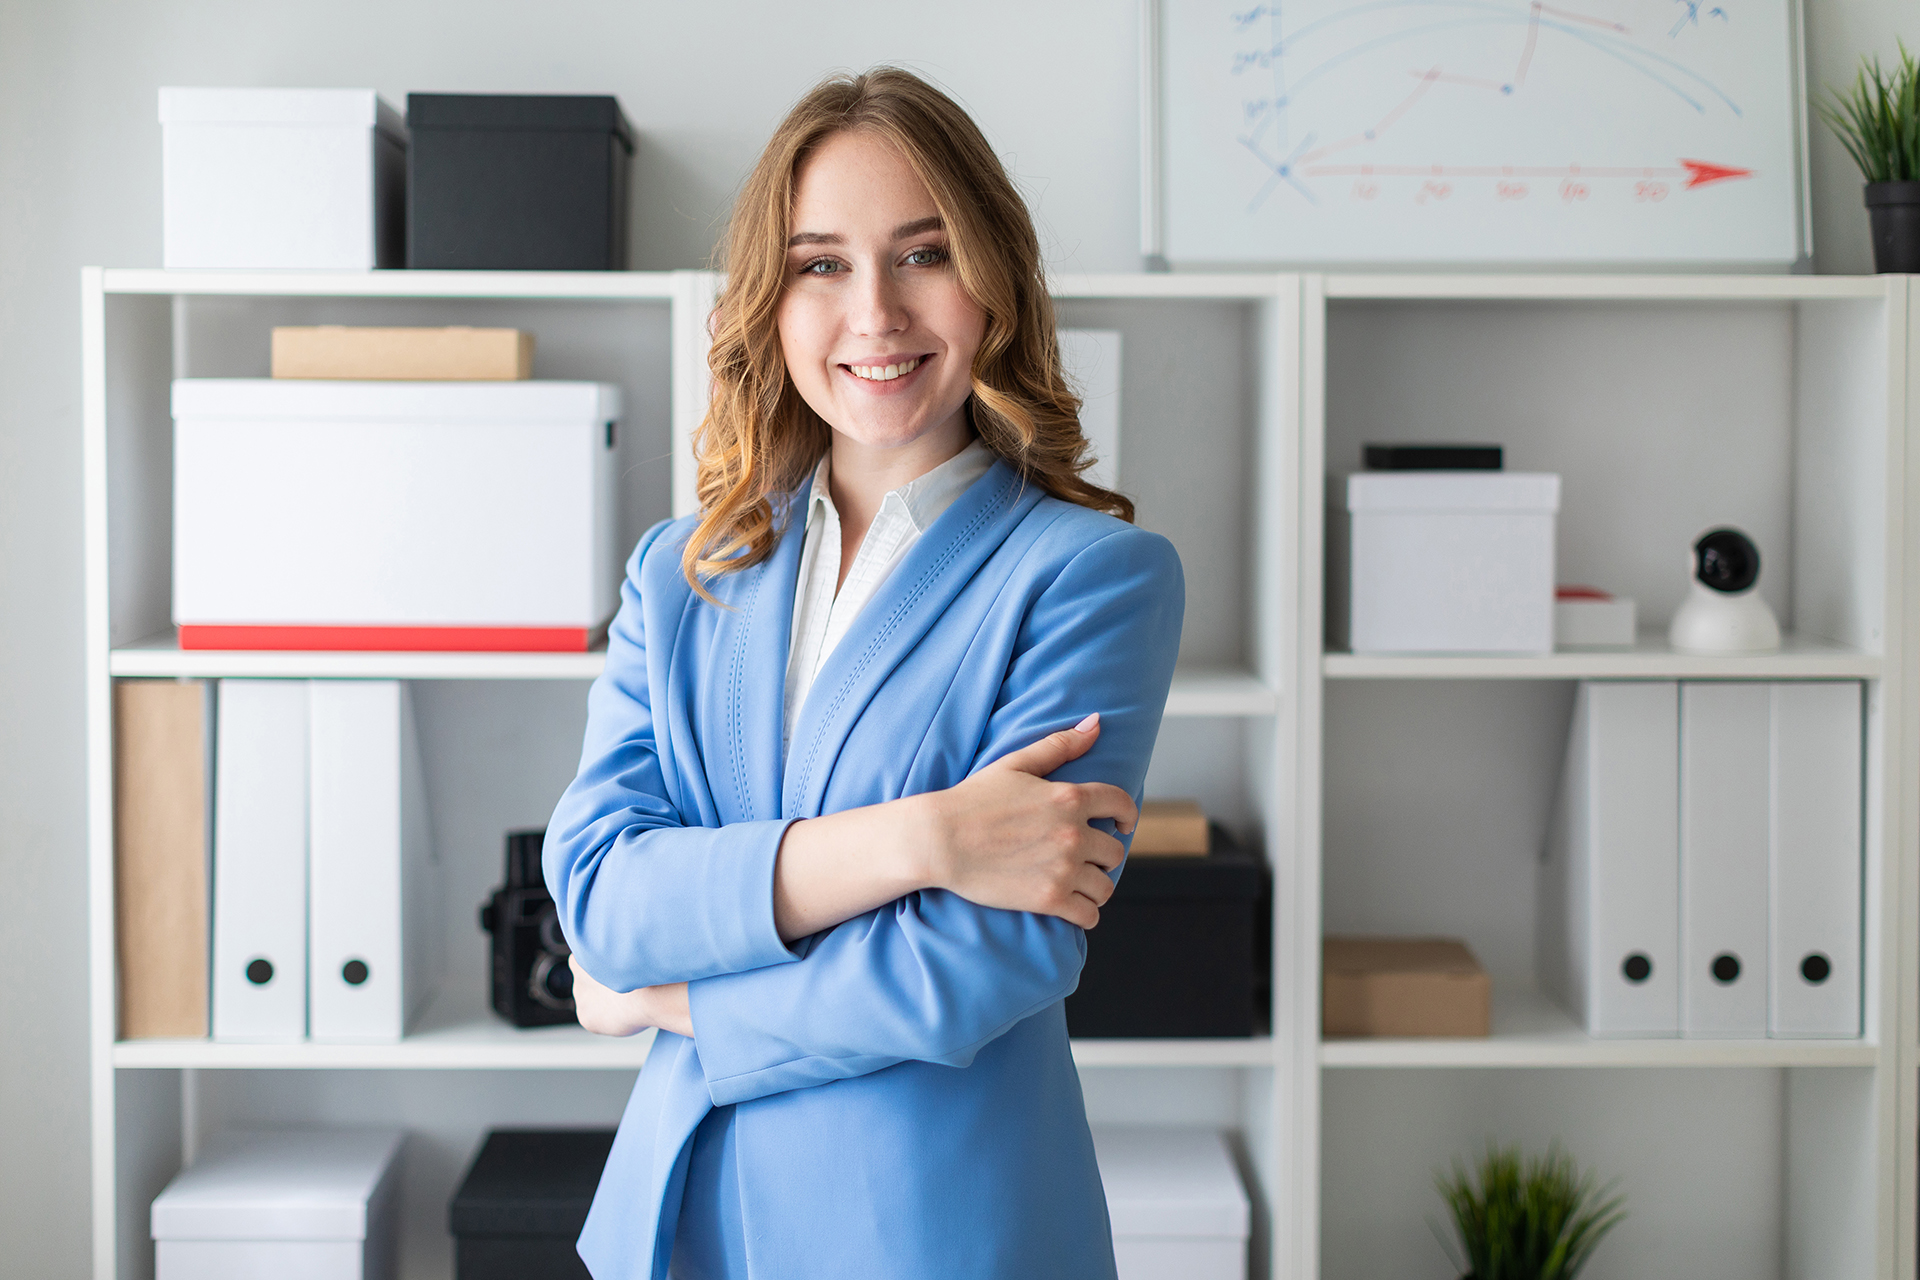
(1893, 211)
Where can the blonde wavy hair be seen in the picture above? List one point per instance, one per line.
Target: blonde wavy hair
(759, 439)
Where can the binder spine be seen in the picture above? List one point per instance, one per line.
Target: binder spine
(1723, 858)
(1815, 860)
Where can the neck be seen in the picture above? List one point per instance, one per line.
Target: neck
(862, 475)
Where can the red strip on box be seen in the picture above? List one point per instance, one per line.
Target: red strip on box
(390, 639)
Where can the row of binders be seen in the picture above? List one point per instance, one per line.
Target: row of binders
(1703, 869)
(276, 878)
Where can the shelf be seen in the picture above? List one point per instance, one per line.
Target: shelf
(1529, 1030)
(453, 1035)
(1650, 659)
(1620, 288)
(653, 286)
(608, 285)
(1199, 691)
(161, 656)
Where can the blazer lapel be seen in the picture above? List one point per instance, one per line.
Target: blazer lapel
(745, 694)
(908, 603)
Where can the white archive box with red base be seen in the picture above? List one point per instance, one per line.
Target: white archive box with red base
(393, 515)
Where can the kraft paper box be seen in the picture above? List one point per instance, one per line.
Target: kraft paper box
(1170, 827)
(453, 354)
(1402, 987)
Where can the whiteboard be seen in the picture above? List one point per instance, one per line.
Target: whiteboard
(1662, 132)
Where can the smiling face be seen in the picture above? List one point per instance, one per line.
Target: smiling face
(878, 335)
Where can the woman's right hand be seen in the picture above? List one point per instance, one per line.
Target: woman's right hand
(1008, 838)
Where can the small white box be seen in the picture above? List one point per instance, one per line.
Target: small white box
(1451, 561)
(282, 178)
(393, 515)
(316, 1204)
(1176, 1203)
(1587, 619)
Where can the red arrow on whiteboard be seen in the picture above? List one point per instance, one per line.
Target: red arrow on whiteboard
(1700, 173)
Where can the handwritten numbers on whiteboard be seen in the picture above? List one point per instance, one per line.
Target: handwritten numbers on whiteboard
(1649, 192)
(1510, 190)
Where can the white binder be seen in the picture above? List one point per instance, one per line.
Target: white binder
(1610, 884)
(375, 944)
(1814, 861)
(1723, 858)
(260, 861)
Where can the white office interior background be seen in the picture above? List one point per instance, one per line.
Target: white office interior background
(1054, 84)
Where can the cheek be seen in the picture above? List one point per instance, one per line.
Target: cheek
(801, 340)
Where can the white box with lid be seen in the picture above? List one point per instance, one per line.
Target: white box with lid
(282, 178)
(1178, 1209)
(1451, 561)
(393, 515)
(313, 1204)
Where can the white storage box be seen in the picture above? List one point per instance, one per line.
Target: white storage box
(1175, 1199)
(393, 515)
(1451, 561)
(282, 178)
(317, 1204)
(1586, 618)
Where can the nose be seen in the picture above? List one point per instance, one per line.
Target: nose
(878, 306)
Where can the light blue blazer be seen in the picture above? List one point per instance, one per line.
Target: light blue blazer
(906, 1103)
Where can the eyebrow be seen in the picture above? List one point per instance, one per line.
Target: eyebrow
(919, 226)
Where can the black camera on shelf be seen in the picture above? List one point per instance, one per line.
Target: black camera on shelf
(532, 984)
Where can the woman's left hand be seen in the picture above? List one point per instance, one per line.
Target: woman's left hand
(607, 1012)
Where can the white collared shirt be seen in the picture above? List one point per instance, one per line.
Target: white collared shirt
(820, 615)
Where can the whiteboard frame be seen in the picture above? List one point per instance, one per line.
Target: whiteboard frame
(1153, 248)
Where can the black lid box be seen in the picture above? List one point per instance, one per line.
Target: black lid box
(520, 1208)
(1181, 949)
(517, 182)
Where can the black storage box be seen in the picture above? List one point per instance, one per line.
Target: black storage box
(510, 182)
(1183, 948)
(522, 1204)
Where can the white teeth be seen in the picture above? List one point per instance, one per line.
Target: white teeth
(885, 373)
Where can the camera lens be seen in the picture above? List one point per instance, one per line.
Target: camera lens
(551, 982)
(1726, 560)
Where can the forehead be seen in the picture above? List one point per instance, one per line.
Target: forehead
(858, 184)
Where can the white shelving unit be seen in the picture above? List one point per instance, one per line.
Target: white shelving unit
(1396, 795)
(501, 731)
(1667, 404)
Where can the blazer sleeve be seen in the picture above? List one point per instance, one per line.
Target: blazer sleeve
(645, 896)
(934, 977)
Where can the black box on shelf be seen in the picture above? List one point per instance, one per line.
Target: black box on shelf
(517, 182)
(1182, 949)
(520, 1208)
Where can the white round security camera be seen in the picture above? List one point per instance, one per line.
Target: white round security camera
(1723, 612)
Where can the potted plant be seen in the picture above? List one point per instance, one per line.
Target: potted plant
(1525, 1219)
(1878, 122)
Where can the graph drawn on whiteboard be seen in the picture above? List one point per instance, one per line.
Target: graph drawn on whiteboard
(1655, 131)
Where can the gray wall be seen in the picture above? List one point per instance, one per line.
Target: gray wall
(1052, 83)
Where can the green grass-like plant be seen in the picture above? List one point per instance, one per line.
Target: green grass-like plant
(1878, 119)
(1526, 1219)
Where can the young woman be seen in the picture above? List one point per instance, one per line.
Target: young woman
(868, 724)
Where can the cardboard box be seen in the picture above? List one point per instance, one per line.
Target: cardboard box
(1178, 1209)
(1402, 987)
(453, 354)
(1448, 562)
(517, 182)
(393, 515)
(316, 1204)
(519, 1210)
(275, 179)
(1170, 827)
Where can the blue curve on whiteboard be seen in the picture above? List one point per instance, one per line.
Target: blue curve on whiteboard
(1504, 17)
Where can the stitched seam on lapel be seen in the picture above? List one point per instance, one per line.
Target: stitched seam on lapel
(887, 628)
(736, 726)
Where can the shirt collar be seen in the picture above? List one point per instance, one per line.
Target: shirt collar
(925, 498)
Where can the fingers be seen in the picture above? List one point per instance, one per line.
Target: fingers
(1101, 800)
(1054, 750)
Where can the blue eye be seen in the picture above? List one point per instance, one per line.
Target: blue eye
(926, 257)
(820, 267)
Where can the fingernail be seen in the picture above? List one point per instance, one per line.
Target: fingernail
(1089, 723)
